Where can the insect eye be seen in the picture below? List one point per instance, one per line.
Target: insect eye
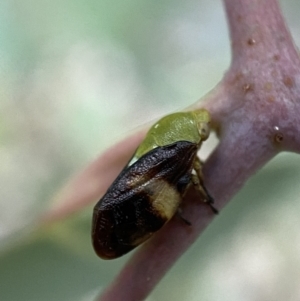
(204, 130)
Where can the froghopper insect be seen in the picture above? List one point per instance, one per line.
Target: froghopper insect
(149, 190)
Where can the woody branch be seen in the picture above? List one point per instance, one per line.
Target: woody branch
(256, 113)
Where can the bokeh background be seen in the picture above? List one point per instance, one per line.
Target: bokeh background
(76, 77)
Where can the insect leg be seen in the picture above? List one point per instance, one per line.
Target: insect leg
(179, 214)
(197, 180)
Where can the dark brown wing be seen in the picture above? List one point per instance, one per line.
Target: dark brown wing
(142, 199)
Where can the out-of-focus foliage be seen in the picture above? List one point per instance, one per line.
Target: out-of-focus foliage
(76, 76)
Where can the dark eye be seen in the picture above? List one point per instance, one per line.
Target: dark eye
(204, 130)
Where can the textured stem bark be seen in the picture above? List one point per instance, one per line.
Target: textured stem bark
(256, 113)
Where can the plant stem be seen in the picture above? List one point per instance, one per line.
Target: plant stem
(256, 112)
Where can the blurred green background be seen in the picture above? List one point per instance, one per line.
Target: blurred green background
(75, 77)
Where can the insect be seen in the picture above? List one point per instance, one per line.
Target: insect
(148, 191)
